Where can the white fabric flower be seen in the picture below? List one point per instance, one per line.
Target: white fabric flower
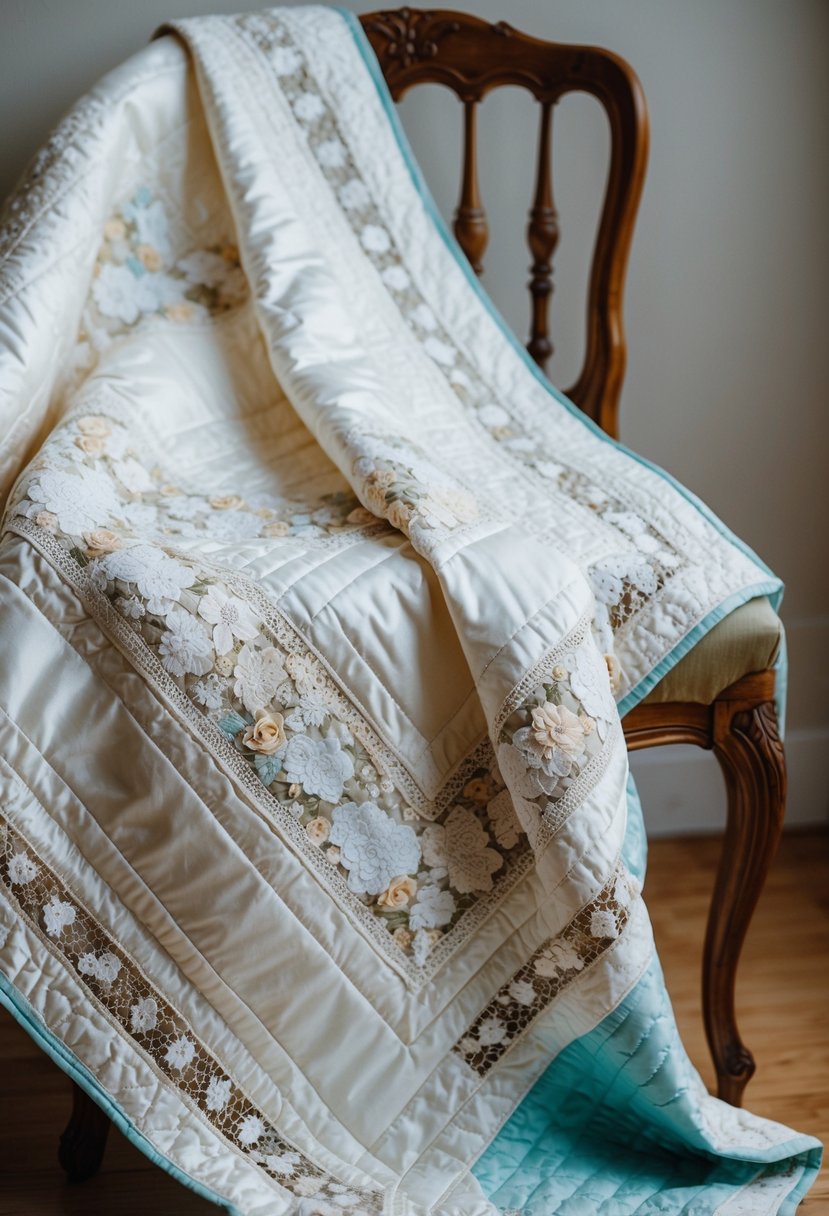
(180, 1052)
(144, 1015)
(132, 475)
(522, 992)
(309, 106)
(491, 1032)
(556, 958)
(114, 291)
(354, 195)
(284, 60)
(258, 674)
(504, 821)
(331, 153)
(208, 692)
(303, 672)
(461, 844)
(424, 317)
(185, 646)
(373, 848)
(590, 682)
(312, 710)
(21, 869)
(155, 576)
(57, 914)
(81, 501)
(321, 767)
(130, 607)
(230, 617)
(282, 1164)
(104, 967)
(395, 277)
(217, 1094)
(235, 526)
(251, 1130)
(433, 910)
(375, 239)
(603, 924)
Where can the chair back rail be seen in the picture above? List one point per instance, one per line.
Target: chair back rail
(471, 57)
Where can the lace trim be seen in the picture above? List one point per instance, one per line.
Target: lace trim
(157, 1030)
(547, 972)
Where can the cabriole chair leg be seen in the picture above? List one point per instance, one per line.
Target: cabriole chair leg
(82, 1144)
(748, 747)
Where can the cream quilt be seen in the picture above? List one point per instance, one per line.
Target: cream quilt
(319, 864)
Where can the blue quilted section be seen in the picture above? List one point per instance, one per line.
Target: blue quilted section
(612, 1127)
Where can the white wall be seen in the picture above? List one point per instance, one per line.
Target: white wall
(726, 312)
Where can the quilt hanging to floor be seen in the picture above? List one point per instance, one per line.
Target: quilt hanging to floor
(319, 864)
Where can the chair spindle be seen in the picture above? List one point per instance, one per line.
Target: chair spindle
(542, 238)
(470, 225)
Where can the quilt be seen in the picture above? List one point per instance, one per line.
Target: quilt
(320, 865)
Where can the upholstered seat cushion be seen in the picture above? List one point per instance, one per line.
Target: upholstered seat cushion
(747, 640)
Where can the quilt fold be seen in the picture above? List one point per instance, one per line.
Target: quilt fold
(320, 864)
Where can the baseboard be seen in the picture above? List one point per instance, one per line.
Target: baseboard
(682, 789)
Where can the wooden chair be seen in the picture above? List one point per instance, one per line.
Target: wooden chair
(738, 722)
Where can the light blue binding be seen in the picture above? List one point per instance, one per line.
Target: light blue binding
(771, 587)
(23, 1013)
(609, 1130)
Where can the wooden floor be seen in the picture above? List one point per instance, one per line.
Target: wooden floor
(783, 998)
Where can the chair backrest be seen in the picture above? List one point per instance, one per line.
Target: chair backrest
(472, 57)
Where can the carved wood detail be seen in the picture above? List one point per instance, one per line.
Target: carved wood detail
(470, 224)
(542, 238)
(82, 1143)
(471, 57)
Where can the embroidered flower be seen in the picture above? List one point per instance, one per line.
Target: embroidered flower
(395, 277)
(312, 710)
(403, 938)
(321, 767)
(217, 1094)
(185, 646)
(354, 195)
(504, 821)
(208, 692)
(101, 540)
(80, 500)
(375, 239)
(373, 848)
(144, 1015)
(491, 1032)
(303, 672)
(57, 914)
(590, 682)
(46, 520)
(317, 830)
(399, 892)
(461, 844)
(230, 617)
(434, 908)
(603, 924)
(556, 958)
(21, 869)
(331, 153)
(91, 445)
(258, 675)
(283, 1164)
(266, 735)
(156, 577)
(133, 476)
(180, 1052)
(522, 992)
(251, 1130)
(104, 967)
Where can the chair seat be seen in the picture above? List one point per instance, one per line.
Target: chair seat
(747, 640)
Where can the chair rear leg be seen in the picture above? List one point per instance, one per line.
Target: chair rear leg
(82, 1144)
(748, 747)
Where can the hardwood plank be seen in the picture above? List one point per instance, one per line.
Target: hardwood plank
(783, 1001)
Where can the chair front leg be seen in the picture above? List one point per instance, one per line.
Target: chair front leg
(748, 747)
(82, 1144)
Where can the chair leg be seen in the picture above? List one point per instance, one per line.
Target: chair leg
(82, 1144)
(748, 746)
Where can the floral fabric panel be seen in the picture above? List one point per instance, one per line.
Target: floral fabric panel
(96, 497)
(624, 581)
(161, 1032)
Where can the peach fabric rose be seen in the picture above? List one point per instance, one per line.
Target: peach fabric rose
(399, 893)
(101, 540)
(266, 735)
